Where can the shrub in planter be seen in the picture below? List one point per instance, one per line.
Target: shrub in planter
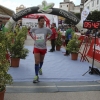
(16, 48)
(73, 47)
(58, 41)
(5, 78)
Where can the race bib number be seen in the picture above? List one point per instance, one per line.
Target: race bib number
(39, 37)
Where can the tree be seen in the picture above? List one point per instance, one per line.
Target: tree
(94, 16)
(78, 15)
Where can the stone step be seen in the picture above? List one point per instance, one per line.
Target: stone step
(51, 87)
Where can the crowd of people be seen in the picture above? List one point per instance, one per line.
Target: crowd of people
(93, 33)
(65, 27)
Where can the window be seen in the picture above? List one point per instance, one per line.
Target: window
(67, 5)
(92, 3)
(97, 2)
(85, 1)
(87, 7)
(60, 6)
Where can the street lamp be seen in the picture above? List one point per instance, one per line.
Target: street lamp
(81, 7)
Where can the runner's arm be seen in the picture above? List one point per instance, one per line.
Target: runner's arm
(49, 31)
(30, 33)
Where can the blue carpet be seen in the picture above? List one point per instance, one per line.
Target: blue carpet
(56, 67)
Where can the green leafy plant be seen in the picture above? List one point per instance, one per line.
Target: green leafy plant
(58, 41)
(73, 45)
(5, 78)
(16, 43)
(94, 16)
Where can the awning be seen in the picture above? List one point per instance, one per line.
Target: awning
(4, 16)
(6, 11)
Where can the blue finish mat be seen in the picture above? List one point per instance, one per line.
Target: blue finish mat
(56, 67)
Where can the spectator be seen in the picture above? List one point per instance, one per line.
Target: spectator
(1, 26)
(68, 36)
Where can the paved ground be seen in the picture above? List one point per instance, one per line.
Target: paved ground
(53, 91)
(52, 87)
(30, 42)
(54, 96)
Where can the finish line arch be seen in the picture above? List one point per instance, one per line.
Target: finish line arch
(48, 9)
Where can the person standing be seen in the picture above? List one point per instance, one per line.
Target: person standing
(68, 36)
(98, 33)
(40, 36)
(53, 37)
(1, 26)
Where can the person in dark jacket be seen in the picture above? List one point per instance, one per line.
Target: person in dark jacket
(68, 36)
(1, 26)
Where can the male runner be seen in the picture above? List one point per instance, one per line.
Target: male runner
(40, 36)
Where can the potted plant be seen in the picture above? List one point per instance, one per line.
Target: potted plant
(58, 41)
(5, 78)
(73, 47)
(16, 48)
(23, 30)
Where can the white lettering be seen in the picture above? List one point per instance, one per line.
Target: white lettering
(67, 15)
(21, 13)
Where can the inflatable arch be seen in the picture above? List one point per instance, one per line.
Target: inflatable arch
(45, 8)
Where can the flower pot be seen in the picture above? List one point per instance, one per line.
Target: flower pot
(15, 62)
(74, 56)
(2, 95)
(58, 48)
